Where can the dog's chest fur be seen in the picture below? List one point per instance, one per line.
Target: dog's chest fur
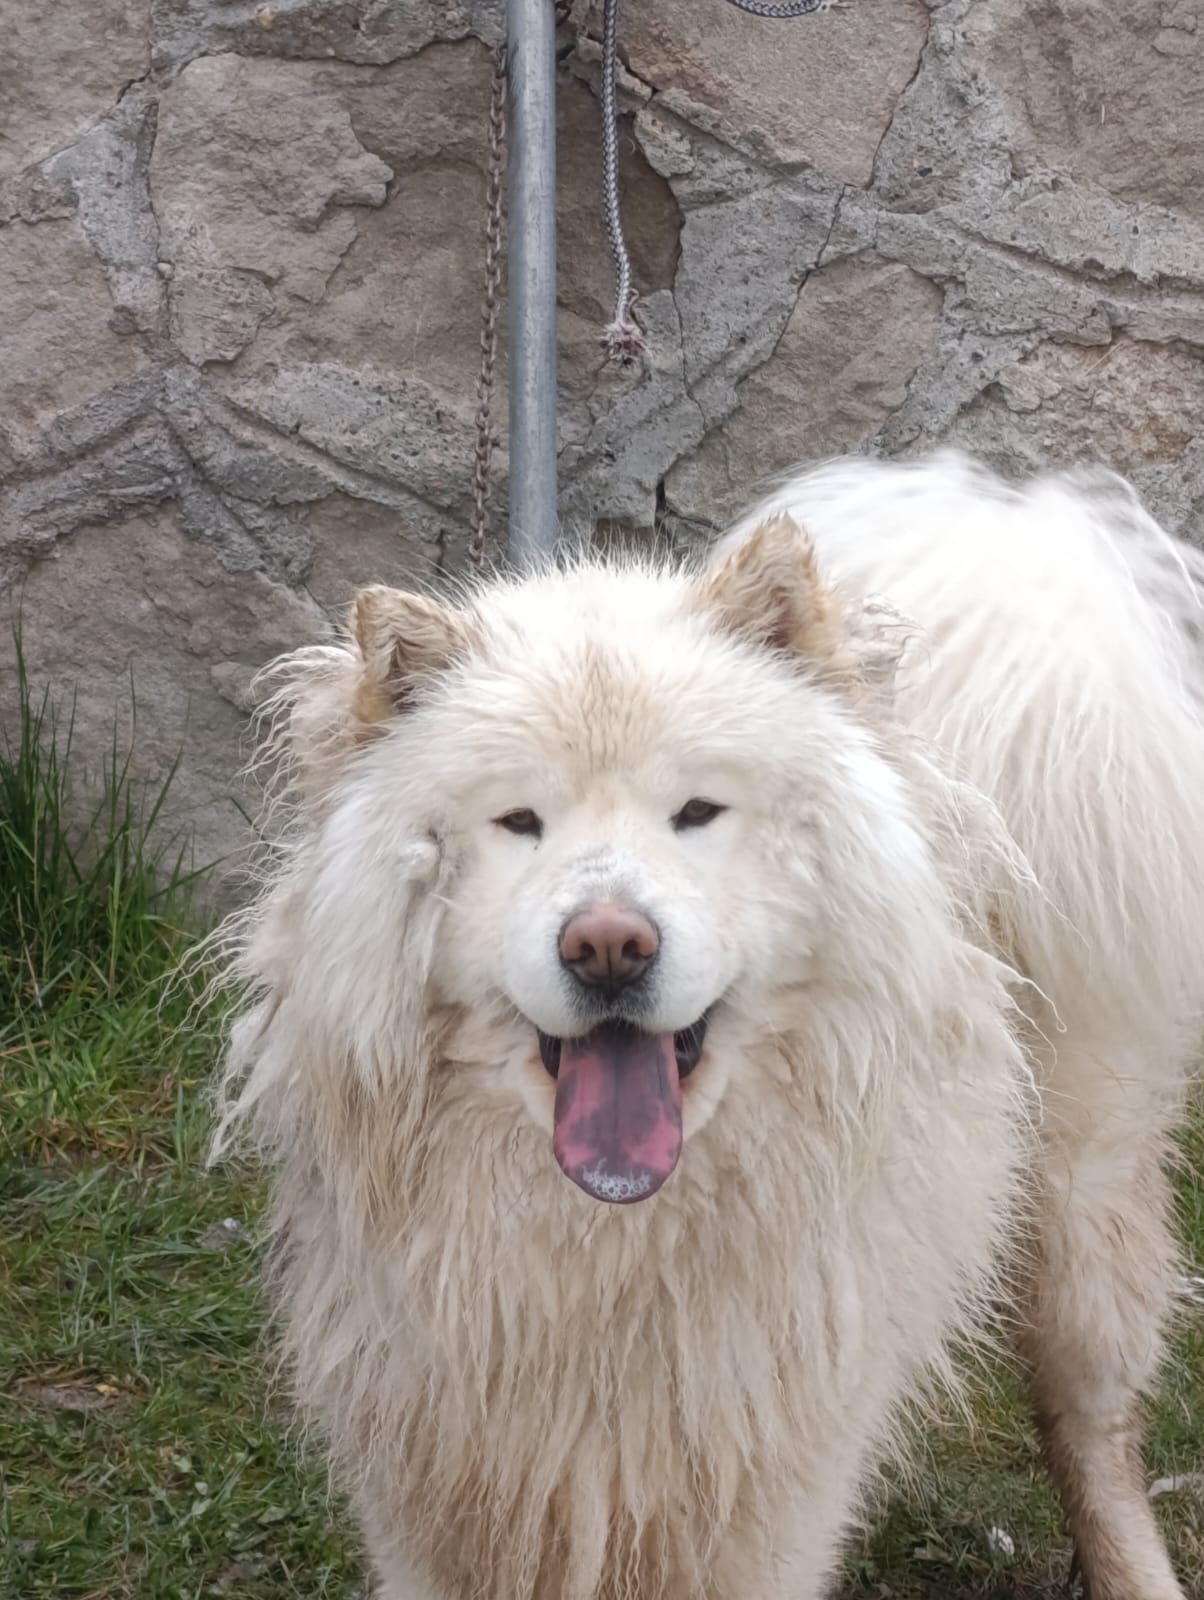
(546, 1397)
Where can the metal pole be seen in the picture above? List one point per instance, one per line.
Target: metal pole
(531, 87)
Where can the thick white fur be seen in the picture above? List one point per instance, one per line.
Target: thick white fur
(959, 845)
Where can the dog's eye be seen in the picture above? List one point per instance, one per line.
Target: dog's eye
(523, 821)
(696, 814)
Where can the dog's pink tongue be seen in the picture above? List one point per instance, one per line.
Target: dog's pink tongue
(618, 1112)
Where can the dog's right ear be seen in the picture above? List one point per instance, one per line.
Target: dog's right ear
(767, 589)
(402, 638)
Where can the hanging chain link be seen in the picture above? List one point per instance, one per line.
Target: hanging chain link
(489, 306)
(792, 8)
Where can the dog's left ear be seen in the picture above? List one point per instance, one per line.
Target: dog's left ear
(768, 589)
(402, 638)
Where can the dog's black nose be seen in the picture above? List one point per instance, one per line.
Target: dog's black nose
(607, 946)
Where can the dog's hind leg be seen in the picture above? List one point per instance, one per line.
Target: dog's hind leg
(394, 1575)
(393, 1582)
(1097, 1301)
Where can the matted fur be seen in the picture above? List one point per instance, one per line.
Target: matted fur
(956, 729)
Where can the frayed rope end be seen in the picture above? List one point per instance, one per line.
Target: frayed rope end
(624, 341)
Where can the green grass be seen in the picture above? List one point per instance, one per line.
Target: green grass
(141, 1453)
(138, 1451)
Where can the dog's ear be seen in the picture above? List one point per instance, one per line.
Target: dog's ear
(768, 589)
(402, 638)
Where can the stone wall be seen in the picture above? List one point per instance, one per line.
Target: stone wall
(240, 272)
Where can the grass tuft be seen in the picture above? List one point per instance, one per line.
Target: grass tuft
(90, 899)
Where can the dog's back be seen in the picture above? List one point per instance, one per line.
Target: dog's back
(1056, 665)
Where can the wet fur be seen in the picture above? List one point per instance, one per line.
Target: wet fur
(969, 972)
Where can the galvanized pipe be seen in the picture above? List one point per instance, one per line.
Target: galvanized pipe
(531, 115)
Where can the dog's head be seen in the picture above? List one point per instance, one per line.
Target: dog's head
(611, 815)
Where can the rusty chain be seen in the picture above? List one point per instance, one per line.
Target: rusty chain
(489, 307)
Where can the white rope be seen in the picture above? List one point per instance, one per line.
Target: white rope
(624, 338)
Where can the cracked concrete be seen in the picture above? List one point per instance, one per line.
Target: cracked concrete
(240, 259)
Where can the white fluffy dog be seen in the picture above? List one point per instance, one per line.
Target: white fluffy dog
(838, 903)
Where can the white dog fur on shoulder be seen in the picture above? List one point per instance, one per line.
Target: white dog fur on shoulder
(838, 904)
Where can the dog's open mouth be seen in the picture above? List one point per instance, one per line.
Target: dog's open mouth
(687, 1048)
(617, 1122)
